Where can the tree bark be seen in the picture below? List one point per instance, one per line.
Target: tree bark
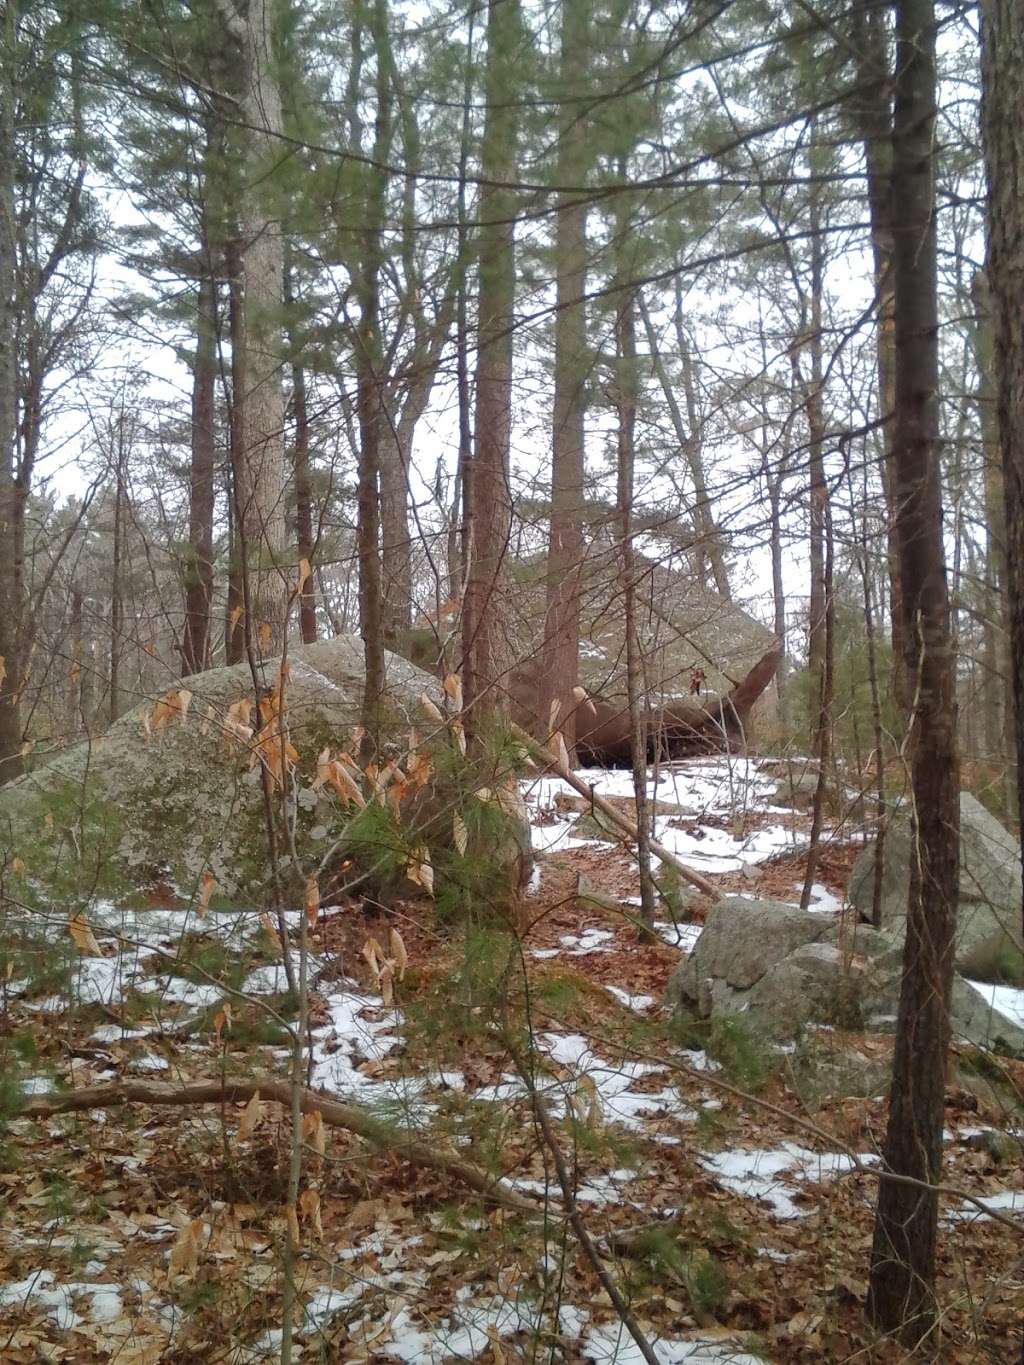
(872, 112)
(902, 1285)
(195, 648)
(259, 472)
(1002, 49)
(369, 401)
(560, 663)
(301, 469)
(488, 495)
(12, 502)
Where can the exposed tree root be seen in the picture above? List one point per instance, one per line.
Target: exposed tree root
(380, 1136)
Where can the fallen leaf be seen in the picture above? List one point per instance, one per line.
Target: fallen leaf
(459, 832)
(207, 883)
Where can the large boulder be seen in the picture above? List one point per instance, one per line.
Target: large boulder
(167, 794)
(988, 937)
(741, 939)
(779, 968)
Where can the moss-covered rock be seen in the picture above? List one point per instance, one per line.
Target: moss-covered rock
(170, 796)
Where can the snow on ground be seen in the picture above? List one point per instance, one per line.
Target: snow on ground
(613, 1345)
(1008, 1000)
(774, 1176)
(699, 788)
(1004, 1201)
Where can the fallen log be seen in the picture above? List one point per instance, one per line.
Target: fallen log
(382, 1137)
(622, 821)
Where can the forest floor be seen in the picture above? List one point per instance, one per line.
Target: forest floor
(728, 1195)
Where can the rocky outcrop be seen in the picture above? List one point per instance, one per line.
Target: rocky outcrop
(989, 944)
(779, 968)
(171, 792)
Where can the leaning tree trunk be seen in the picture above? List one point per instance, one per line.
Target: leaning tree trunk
(560, 664)
(489, 504)
(304, 543)
(1002, 101)
(902, 1286)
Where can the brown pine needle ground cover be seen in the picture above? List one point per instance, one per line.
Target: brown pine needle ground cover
(721, 1193)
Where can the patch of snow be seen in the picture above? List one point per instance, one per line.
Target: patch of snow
(822, 898)
(1004, 1201)
(36, 1085)
(542, 953)
(57, 1299)
(631, 1002)
(709, 849)
(466, 1332)
(681, 936)
(770, 1175)
(178, 990)
(613, 1345)
(151, 1063)
(533, 885)
(114, 1033)
(1005, 1000)
(590, 941)
(558, 836)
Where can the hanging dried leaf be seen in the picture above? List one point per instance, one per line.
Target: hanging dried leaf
(238, 720)
(314, 1131)
(207, 885)
(397, 793)
(251, 1115)
(265, 634)
(3, 669)
(85, 942)
(309, 1206)
(305, 572)
(557, 747)
(344, 784)
(174, 702)
(357, 734)
(398, 953)
(18, 866)
(146, 721)
(420, 870)
(209, 718)
(460, 735)
(453, 688)
(222, 1021)
(292, 1223)
(459, 832)
(311, 900)
(374, 955)
(430, 710)
(234, 617)
(385, 983)
(419, 768)
(273, 937)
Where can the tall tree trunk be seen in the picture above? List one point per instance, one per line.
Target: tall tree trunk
(872, 112)
(902, 1285)
(195, 647)
(488, 494)
(12, 499)
(235, 626)
(74, 713)
(1002, 101)
(116, 598)
(300, 466)
(560, 663)
(371, 416)
(814, 410)
(260, 473)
